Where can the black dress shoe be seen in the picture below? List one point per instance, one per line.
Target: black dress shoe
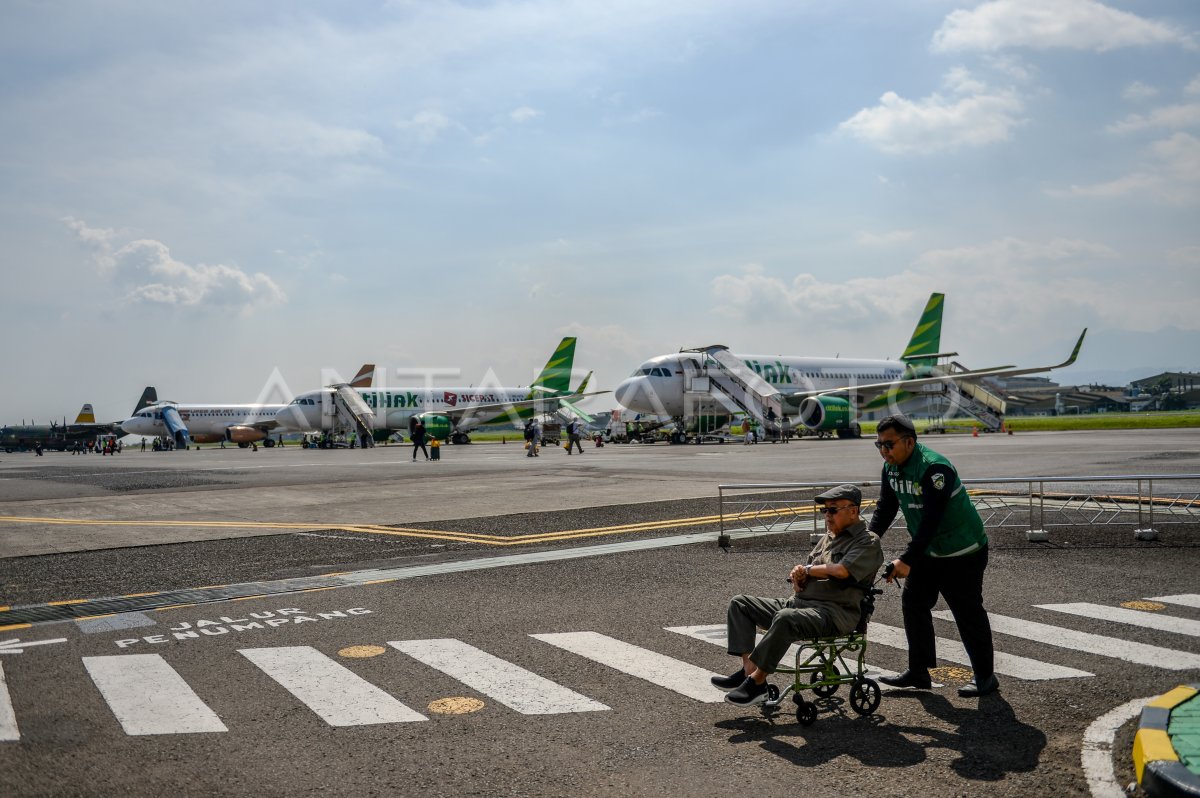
(976, 688)
(916, 679)
(730, 682)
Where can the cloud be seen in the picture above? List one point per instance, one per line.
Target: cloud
(1193, 87)
(295, 134)
(427, 126)
(1171, 174)
(524, 114)
(1002, 288)
(975, 118)
(148, 274)
(1172, 117)
(1138, 91)
(1051, 24)
(884, 239)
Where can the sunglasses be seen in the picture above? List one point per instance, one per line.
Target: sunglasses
(835, 510)
(887, 446)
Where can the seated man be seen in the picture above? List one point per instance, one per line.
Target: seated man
(828, 589)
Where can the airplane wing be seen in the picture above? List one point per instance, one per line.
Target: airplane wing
(878, 388)
(467, 412)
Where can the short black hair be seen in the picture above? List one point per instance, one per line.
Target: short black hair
(900, 423)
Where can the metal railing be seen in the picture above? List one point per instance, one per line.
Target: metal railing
(1031, 503)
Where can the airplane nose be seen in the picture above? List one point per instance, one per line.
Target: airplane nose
(627, 392)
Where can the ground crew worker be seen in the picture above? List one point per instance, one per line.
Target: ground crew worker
(573, 436)
(948, 554)
(418, 439)
(828, 593)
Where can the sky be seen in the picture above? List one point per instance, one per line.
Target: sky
(233, 201)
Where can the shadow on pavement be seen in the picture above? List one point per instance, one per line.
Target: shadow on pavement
(989, 739)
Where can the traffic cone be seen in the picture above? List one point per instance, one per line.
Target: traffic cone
(974, 432)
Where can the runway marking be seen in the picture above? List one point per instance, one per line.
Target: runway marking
(147, 696)
(1183, 599)
(1162, 623)
(1114, 647)
(330, 689)
(948, 649)
(511, 685)
(412, 532)
(716, 634)
(681, 677)
(8, 718)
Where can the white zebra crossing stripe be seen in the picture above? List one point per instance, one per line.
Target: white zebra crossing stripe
(673, 674)
(330, 689)
(953, 650)
(147, 696)
(511, 685)
(716, 635)
(1182, 599)
(1147, 620)
(8, 718)
(1138, 653)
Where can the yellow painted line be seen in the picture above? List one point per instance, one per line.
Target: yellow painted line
(319, 589)
(248, 598)
(2, 609)
(13, 626)
(94, 617)
(68, 601)
(379, 581)
(337, 573)
(140, 595)
(173, 607)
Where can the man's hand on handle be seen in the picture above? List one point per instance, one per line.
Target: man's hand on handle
(899, 569)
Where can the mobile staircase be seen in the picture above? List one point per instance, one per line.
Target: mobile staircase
(974, 400)
(353, 413)
(718, 375)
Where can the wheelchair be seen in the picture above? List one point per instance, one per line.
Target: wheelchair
(824, 664)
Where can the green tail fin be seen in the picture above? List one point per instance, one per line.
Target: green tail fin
(556, 376)
(927, 337)
(584, 383)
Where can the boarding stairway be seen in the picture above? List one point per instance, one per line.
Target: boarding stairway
(353, 413)
(718, 374)
(974, 400)
(175, 426)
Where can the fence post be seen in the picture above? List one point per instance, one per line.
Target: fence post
(1147, 532)
(1037, 534)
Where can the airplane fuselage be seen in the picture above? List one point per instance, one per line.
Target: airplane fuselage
(658, 385)
(394, 407)
(207, 423)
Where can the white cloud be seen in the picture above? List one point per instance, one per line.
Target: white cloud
(938, 123)
(1050, 24)
(884, 239)
(1172, 117)
(1138, 91)
(427, 126)
(294, 134)
(149, 274)
(524, 114)
(1171, 174)
(1003, 288)
(1193, 87)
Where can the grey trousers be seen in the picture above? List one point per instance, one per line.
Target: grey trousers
(786, 621)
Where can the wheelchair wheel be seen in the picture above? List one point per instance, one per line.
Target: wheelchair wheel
(806, 713)
(772, 692)
(827, 690)
(864, 696)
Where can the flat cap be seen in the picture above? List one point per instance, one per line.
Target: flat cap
(841, 492)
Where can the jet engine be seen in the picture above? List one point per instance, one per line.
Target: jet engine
(436, 426)
(829, 413)
(244, 434)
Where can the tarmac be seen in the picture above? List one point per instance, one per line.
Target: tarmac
(582, 570)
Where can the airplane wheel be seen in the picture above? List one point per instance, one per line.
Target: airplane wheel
(243, 445)
(268, 443)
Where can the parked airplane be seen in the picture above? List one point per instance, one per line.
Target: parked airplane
(702, 389)
(449, 413)
(242, 424)
(61, 436)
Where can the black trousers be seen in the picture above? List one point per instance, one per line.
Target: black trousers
(420, 446)
(959, 580)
